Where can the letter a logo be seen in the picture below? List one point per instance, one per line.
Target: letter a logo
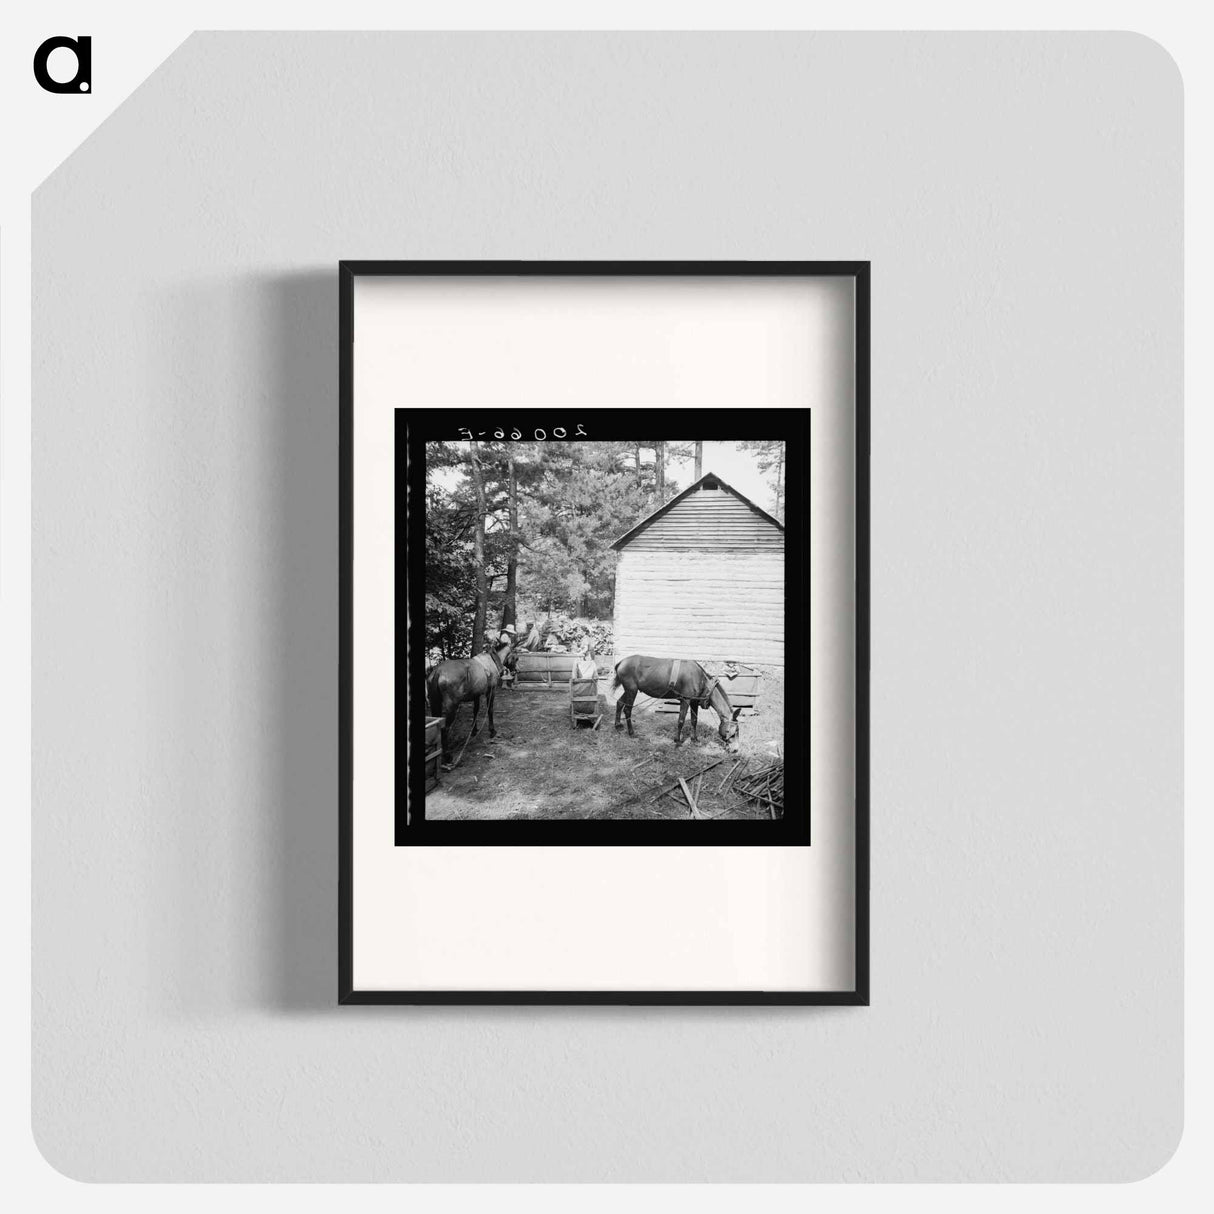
(82, 81)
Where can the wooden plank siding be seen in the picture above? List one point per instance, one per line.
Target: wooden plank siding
(702, 578)
(709, 604)
(709, 519)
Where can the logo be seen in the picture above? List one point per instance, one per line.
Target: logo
(82, 81)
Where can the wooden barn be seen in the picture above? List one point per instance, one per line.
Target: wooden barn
(702, 578)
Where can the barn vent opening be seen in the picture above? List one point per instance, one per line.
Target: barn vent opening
(711, 484)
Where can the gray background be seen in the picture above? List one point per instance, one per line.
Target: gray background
(1020, 199)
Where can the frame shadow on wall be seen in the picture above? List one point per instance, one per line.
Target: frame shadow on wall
(300, 937)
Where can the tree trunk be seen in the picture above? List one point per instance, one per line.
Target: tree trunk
(659, 453)
(478, 552)
(638, 455)
(699, 458)
(780, 486)
(509, 614)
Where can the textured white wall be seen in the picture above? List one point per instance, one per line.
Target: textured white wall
(711, 606)
(1020, 199)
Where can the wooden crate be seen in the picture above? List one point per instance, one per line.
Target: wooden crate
(433, 751)
(434, 733)
(743, 689)
(583, 700)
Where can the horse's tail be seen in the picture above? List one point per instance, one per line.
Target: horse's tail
(434, 694)
(618, 686)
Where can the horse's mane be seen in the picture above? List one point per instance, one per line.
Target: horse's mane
(713, 684)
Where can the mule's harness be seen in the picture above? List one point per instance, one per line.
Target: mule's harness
(492, 665)
(488, 665)
(674, 676)
(702, 700)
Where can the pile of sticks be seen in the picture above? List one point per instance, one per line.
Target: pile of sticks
(760, 780)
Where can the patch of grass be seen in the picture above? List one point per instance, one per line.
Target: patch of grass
(540, 767)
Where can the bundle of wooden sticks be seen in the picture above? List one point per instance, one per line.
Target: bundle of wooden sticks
(761, 780)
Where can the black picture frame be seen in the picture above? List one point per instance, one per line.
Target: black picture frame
(348, 273)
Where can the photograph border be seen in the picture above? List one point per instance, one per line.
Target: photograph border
(348, 272)
(793, 829)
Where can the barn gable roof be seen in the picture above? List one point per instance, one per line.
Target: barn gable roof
(674, 501)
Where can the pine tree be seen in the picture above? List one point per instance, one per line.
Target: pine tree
(478, 550)
(770, 457)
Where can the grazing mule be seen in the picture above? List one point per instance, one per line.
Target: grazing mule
(671, 677)
(457, 680)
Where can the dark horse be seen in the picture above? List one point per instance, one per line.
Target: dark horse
(664, 678)
(453, 682)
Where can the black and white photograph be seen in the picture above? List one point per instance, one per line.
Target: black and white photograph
(580, 590)
(603, 622)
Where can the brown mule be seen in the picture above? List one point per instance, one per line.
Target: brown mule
(457, 680)
(683, 679)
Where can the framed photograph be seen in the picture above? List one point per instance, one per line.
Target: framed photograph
(604, 632)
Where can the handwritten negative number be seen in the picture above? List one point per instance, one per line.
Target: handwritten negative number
(516, 433)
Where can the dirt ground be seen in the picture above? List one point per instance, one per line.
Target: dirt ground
(539, 766)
